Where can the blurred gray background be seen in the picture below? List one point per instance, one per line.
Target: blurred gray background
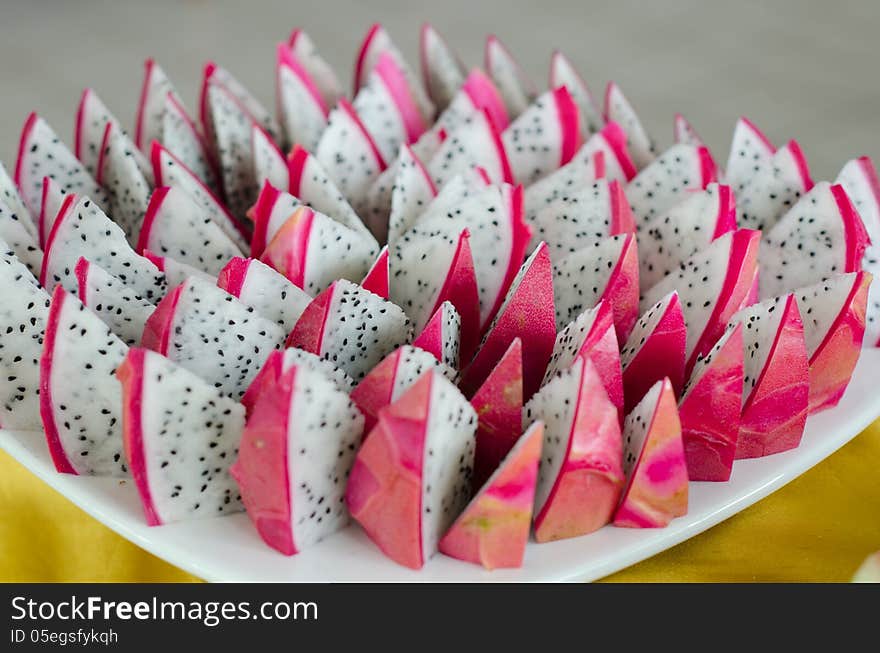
(804, 69)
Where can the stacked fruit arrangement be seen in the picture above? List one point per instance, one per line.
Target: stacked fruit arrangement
(452, 308)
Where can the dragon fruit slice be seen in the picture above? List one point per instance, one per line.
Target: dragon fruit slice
(313, 250)
(271, 211)
(668, 180)
(476, 142)
(79, 398)
(227, 353)
(263, 289)
(376, 43)
(23, 317)
(563, 73)
(617, 108)
(387, 109)
(10, 198)
(528, 313)
(120, 174)
(168, 170)
(477, 93)
(607, 270)
(391, 378)
(655, 350)
(53, 202)
(833, 314)
(774, 189)
(684, 132)
(269, 163)
(180, 437)
(820, 235)
(579, 219)
(777, 379)
(300, 104)
(580, 476)
(709, 409)
(16, 238)
(591, 335)
(151, 106)
(603, 156)
(412, 476)
(174, 225)
(498, 403)
(85, 231)
(507, 75)
(442, 70)
(376, 279)
(657, 479)
(92, 118)
(712, 285)
(351, 327)
(859, 179)
(280, 362)
(117, 305)
(544, 137)
(494, 527)
(321, 73)
(42, 154)
(667, 240)
(751, 154)
(441, 336)
(349, 155)
(175, 271)
(295, 456)
(412, 192)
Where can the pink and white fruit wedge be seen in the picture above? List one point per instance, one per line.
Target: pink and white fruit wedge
(376, 279)
(121, 175)
(655, 350)
(712, 285)
(776, 378)
(581, 476)
(563, 73)
(607, 270)
(859, 179)
(527, 313)
(684, 132)
(668, 180)
(544, 137)
(176, 272)
(299, 102)
(42, 154)
(271, 211)
(79, 398)
(442, 70)
(709, 409)
(819, 236)
(120, 308)
(92, 118)
(227, 352)
(477, 94)
(639, 143)
(351, 327)
(303, 48)
(441, 336)
(498, 403)
(508, 76)
(751, 153)
(476, 142)
(12, 200)
(15, 235)
(294, 460)
(412, 193)
(656, 473)
(494, 528)
(266, 291)
(54, 201)
(774, 189)
(313, 250)
(180, 436)
(412, 475)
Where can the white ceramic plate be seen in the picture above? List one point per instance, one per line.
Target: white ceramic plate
(229, 549)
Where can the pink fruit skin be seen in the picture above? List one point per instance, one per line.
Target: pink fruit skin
(139, 120)
(156, 199)
(384, 492)
(261, 469)
(395, 82)
(494, 528)
(601, 347)
(726, 221)
(375, 390)
(460, 290)
(657, 490)
(774, 415)
(105, 145)
(622, 219)
(833, 362)
(308, 332)
(289, 249)
(710, 414)
(521, 235)
(569, 123)
(622, 291)
(771, 149)
(63, 215)
(588, 486)
(158, 327)
(296, 165)
(498, 404)
(286, 58)
(708, 169)
(265, 378)
(431, 338)
(736, 292)
(530, 315)
(23, 148)
(362, 55)
(801, 162)
(56, 450)
(661, 356)
(376, 280)
(131, 375)
(616, 139)
(233, 275)
(69, 200)
(260, 214)
(854, 229)
(485, 96)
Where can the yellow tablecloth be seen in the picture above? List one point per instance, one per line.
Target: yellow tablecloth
(818, 528)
